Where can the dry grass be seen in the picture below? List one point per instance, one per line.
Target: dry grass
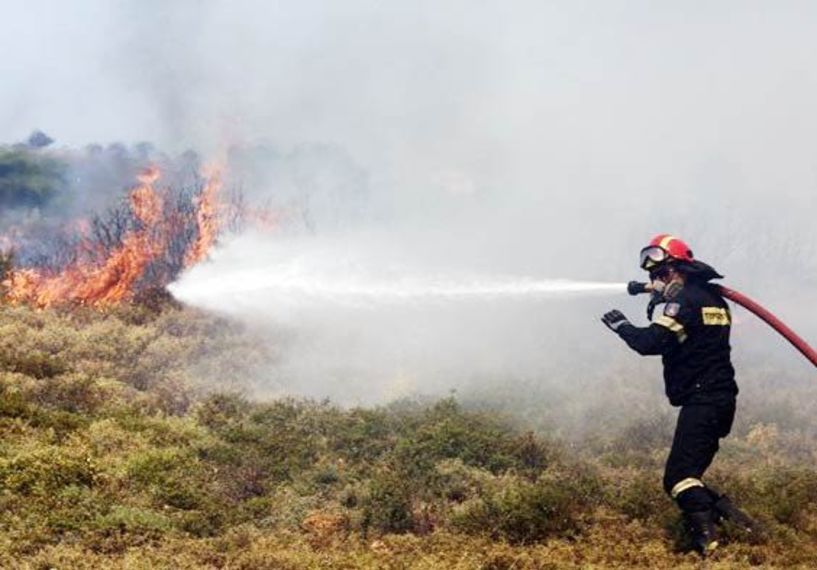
(116, 452)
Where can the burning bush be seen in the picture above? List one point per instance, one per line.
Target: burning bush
(140, 246)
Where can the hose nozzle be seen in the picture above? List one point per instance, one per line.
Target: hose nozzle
(637, 288)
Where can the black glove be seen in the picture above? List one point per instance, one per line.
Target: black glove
(614, 319)
(636, 287)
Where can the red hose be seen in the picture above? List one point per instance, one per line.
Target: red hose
(771, 320)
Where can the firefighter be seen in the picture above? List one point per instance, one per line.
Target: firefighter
(692, 336)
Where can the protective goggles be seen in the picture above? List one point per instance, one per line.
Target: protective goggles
(653, 255)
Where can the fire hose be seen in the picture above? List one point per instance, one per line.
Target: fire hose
(755, 308)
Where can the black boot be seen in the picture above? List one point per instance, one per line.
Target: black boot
(725, 509)
(701, 526)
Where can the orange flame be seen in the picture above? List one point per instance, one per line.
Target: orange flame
(208, 219)
(114, 279)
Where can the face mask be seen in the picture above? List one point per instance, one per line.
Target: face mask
(669, 290)
(672, 289)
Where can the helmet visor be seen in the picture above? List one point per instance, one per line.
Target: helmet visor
(652, 256)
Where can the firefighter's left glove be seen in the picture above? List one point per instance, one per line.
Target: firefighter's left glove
(614, 320)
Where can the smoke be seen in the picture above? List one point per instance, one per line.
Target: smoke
(545, 141)
(372, 315)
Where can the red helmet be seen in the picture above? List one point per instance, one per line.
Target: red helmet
(664, 248)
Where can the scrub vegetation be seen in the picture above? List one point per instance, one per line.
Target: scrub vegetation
(117, 452)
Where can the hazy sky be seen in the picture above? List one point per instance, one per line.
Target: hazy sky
(544, 138)
(635, 96)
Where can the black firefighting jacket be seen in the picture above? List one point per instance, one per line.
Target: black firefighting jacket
(692, 336)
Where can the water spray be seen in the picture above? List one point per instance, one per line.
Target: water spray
(355, 272)
(363, 290)
(635, 288)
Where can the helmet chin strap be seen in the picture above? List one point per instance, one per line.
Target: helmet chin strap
(655, 300)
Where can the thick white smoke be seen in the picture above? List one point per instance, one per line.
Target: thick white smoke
(368, 316)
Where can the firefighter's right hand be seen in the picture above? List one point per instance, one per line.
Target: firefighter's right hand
(637, 287)
(614, 320)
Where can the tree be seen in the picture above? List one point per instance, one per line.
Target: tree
(29, 179)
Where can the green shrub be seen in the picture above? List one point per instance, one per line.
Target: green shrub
(34, 363)
(455, 482)
(133, 519)
(640, 495)
(171, 477)
(519, 510)
(363, 436)
(74, 508)
(61, 423)
(46, 469)
(389, 503)
(13, 403)
(784, 494)
(217, 411)
(445, 431)
(75, 393)
(205, 522)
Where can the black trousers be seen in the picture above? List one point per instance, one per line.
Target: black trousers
(700, 426)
